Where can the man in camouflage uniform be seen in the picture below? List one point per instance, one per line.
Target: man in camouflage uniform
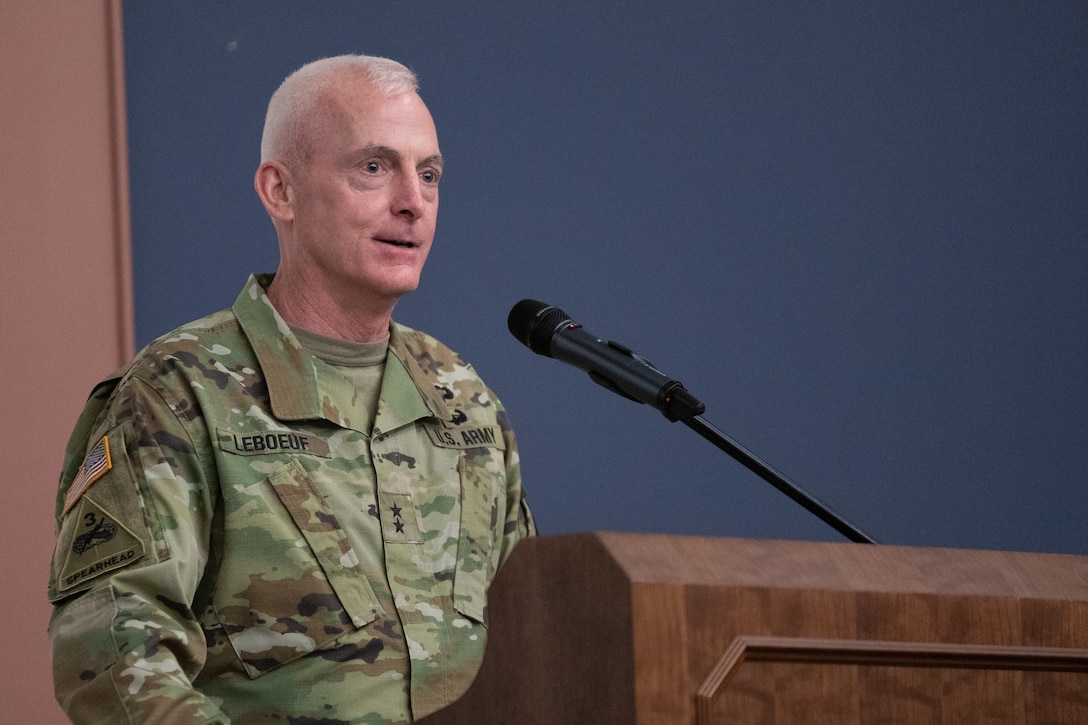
(291, 510)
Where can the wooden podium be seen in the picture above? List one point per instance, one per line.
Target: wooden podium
(610, 629)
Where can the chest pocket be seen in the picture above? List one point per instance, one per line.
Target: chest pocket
(292, 582)
(483, 495)
(481, 470)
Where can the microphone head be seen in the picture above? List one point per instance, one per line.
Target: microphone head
(534, 324)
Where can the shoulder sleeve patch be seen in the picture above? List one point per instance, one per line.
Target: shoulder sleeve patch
(93, 543)
(94, 465)
(107, 526)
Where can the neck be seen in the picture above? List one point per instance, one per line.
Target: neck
(316, 307)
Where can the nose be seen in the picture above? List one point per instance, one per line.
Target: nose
(408, 196)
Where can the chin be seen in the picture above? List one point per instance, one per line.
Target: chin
(396, 291)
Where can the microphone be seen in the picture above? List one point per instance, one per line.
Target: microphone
(548, 331)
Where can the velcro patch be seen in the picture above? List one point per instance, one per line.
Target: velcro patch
(466, 436)
(94, 465)
(100, 543)
(398, 517)
(272, 442)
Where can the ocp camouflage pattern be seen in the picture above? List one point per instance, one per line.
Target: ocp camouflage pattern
(262, 549)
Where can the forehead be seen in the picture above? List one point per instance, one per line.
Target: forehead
(353, 113)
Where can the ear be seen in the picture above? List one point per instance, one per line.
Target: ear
(272, 182)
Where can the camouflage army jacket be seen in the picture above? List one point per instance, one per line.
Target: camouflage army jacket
(238, 541)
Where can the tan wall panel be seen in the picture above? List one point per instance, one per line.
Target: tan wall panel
(65, 292)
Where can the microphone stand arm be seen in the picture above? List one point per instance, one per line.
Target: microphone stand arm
(623, 372)
(776, 479)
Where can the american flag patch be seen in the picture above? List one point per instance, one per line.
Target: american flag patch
(94, 465)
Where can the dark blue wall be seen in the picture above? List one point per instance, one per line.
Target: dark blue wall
(856, 230)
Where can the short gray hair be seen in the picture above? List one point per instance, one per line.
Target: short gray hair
(292, 105)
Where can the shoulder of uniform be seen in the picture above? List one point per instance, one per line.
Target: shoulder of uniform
(424, 347)
(202, 333)
(460, 386)
(435, 359)
(200, 347)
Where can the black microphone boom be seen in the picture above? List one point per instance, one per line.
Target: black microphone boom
(548, 331)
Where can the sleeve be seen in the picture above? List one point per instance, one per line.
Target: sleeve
(519, 519)
(133, 532)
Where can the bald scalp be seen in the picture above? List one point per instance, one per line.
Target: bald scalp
(301, 105)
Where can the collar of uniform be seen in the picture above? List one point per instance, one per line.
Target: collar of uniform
(300, 386)
(409, 390)
(289, 370)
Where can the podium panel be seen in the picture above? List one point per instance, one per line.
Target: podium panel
(644, 629)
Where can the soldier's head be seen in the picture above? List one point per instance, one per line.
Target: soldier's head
(349, 173)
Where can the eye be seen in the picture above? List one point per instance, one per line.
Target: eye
(372, 167)
(429, 176)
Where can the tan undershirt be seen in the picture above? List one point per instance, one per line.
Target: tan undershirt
(363, 363)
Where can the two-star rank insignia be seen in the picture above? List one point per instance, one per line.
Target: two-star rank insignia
(399, 524)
